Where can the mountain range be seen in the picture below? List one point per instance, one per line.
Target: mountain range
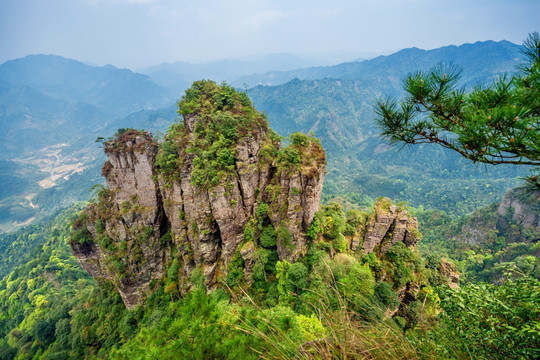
(178, 76)
(223, 237)
(481, 62)
(52, 109)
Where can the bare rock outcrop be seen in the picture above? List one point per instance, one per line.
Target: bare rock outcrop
(388, 226)
(516, 217)
(219, 180)
(128, 222)
(522, 205)
(448, 270)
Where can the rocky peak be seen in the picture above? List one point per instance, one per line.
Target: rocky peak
(218, 183)
(448, 270)
(218, 199)
(516, 217)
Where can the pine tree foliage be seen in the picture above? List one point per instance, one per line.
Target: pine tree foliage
(498, 124)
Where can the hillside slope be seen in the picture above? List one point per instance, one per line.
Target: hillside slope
(220, 205)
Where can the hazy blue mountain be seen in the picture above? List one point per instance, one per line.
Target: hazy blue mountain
(30, 120)
(52, 177)
(120, 91)
(481, 61)
(51, 111)
(178, 76)
(340, 110)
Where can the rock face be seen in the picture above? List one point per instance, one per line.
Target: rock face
(127, 224)
(449, 271)
(516, 217)
(218, 200)
(220, 180)
(523, 206)
(389, 226)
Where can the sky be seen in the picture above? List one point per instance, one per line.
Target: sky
(140, 33)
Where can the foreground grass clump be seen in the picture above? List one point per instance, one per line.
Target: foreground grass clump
(203, 326)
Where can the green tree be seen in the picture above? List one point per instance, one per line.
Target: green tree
(44, 332)
(482, 319)
(498, 124)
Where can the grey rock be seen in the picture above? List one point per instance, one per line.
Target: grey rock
(387, 227)
(146, 214)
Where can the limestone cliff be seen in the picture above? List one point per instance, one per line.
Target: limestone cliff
(521, 206)
(217, 200)
(219, 179)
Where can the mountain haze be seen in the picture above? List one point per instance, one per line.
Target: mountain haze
(232, 235)
(337, 103)
(52, 109)
(178, 76)
(481, 61)
(120, 91)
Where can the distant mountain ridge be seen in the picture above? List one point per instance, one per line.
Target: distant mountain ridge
(51, 111)
(344, 94)
(178, 76)
(393, 67)
(120, 91)
(337, 103)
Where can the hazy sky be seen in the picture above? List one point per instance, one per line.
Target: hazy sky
(139, 33)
